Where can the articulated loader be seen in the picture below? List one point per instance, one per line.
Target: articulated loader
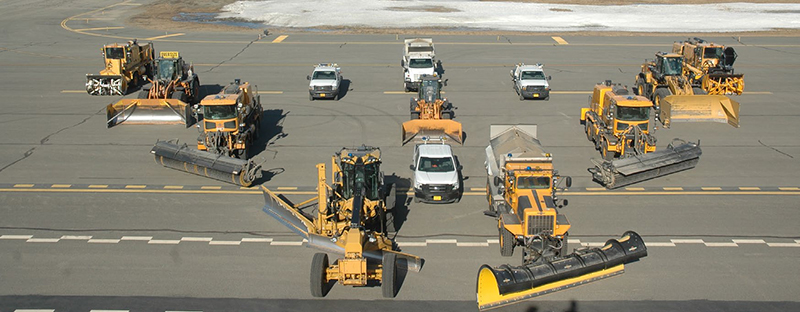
(521, 190)
(618, 123)
(173, 88)
(350, 221)
(431, 115)
(124, 66)
(710, 65)
(676, 97)
(230, 126)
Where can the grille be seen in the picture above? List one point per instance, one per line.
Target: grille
(540, 225)
(323, 88)
(534, 88)
(437, 188)
(230, 125)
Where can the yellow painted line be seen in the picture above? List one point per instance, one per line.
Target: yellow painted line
(73, 91)
(634, 189)
(477, 189)
(98, 186)
(173, 187)
(756, 92)
(135, 186)
(165, 36)
(280, 39)
(560, 40)
(210, 187)
(595, 188)
(680, 193)
(99, 28)
(673, 188)
(397, 92)
(571, 92)
(749, 188)
(23, 185)
(711, 188)
(289, 188)
(270, 92)
(61, 185)
(789, 189)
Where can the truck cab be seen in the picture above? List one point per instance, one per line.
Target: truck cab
(436, 175)
(324, 82)
(418, 60)
(530, 82)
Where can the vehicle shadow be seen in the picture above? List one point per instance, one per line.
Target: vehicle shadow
(399, 213)
(344, 87)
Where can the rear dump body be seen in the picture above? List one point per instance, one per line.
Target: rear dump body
(503, 285)
(227, 169)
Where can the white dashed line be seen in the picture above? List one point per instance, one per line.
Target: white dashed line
(783, 244)
(721, 245)
(25, 237)
(749, 241)
(34, 310)
(102, 241)
(256, 240)
(592, 244)
(687, 241)
(493, 241)
(164, 241)
(136, 238)
(43, 240)
(478, 244)
(659, 244)
(574, 241)
(274, 243)
(412, 244)
(196, 239)
(226, 243)
(441, 241)
(108, 311)
(75, 237)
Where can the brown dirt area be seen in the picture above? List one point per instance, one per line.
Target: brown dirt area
(158, 15)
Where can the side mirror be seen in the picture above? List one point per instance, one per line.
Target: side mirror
(569, 184)
(549, 77)
(308, 77)
(460, 167)
(411, 167)
(564, 203)
(498, 181)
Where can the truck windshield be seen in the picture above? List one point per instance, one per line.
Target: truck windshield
(324, 75)
(219, 111)
(420, 63)
(533, 182)
(672, 66)
(166, 69)
(535, 75)
(115, 53)
(444, 164)
(633, 113)
(713, 53)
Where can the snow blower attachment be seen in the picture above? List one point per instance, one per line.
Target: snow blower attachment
(350, 221)
(625, 171)
(125, 65)
(505, 284)
(227, 169)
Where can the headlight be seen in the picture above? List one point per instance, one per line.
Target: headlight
(455, 186)
(310, 88)
(335, 87)
(417, 185)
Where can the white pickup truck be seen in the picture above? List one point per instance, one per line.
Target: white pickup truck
(324, 82)
(530, 82)
(418, 60)
(437, 177)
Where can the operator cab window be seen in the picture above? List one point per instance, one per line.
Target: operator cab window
(325, 75)
(533, 182)
(534, 75)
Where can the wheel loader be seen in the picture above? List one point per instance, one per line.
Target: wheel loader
(124, 65)
(522, 188)
(167, 99)
(431, 114)
(350, 221)
(618, 123)
(710, 65)
(230, 126)
(676, 97)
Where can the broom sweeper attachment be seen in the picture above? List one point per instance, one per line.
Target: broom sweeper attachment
(223, 168)
(641, 167)
(505, 284)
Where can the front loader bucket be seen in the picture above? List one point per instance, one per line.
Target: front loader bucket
(621, 172)
(505, 284)
(228, 169)
(149, 112)
(432, 128)
(106, 85)
(699, 108)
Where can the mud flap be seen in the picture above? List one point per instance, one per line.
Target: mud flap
(149, 112)
(505, 284)
(432, 128)
(699, 108)
(626, 171)
(227, 169)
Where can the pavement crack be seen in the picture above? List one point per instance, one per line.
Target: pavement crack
(775, 149)
(27, 153)
(234, 56)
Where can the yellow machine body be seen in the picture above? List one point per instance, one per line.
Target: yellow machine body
(231, 120)
(711, 65)
(618, 122)
(124, 65)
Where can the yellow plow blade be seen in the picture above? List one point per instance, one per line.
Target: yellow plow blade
(149, 112)
(432, 128)
(699, 108)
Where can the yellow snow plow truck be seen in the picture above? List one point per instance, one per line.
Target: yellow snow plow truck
(521, 190)
(167, 99)
(124, 65)
(710, 65)
(431, 114)
(676, 97)
(618, 123)
(350, 221)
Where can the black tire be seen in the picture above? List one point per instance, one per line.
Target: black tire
(310, 97)
(447, 115)
(588, 127)
(521, 97)
(506, 243)
(337, 97)
(389, 275)
(414, 115)
(660, 95)
(391, 204)
(640, 88)
(179, 95)
(319, 282)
